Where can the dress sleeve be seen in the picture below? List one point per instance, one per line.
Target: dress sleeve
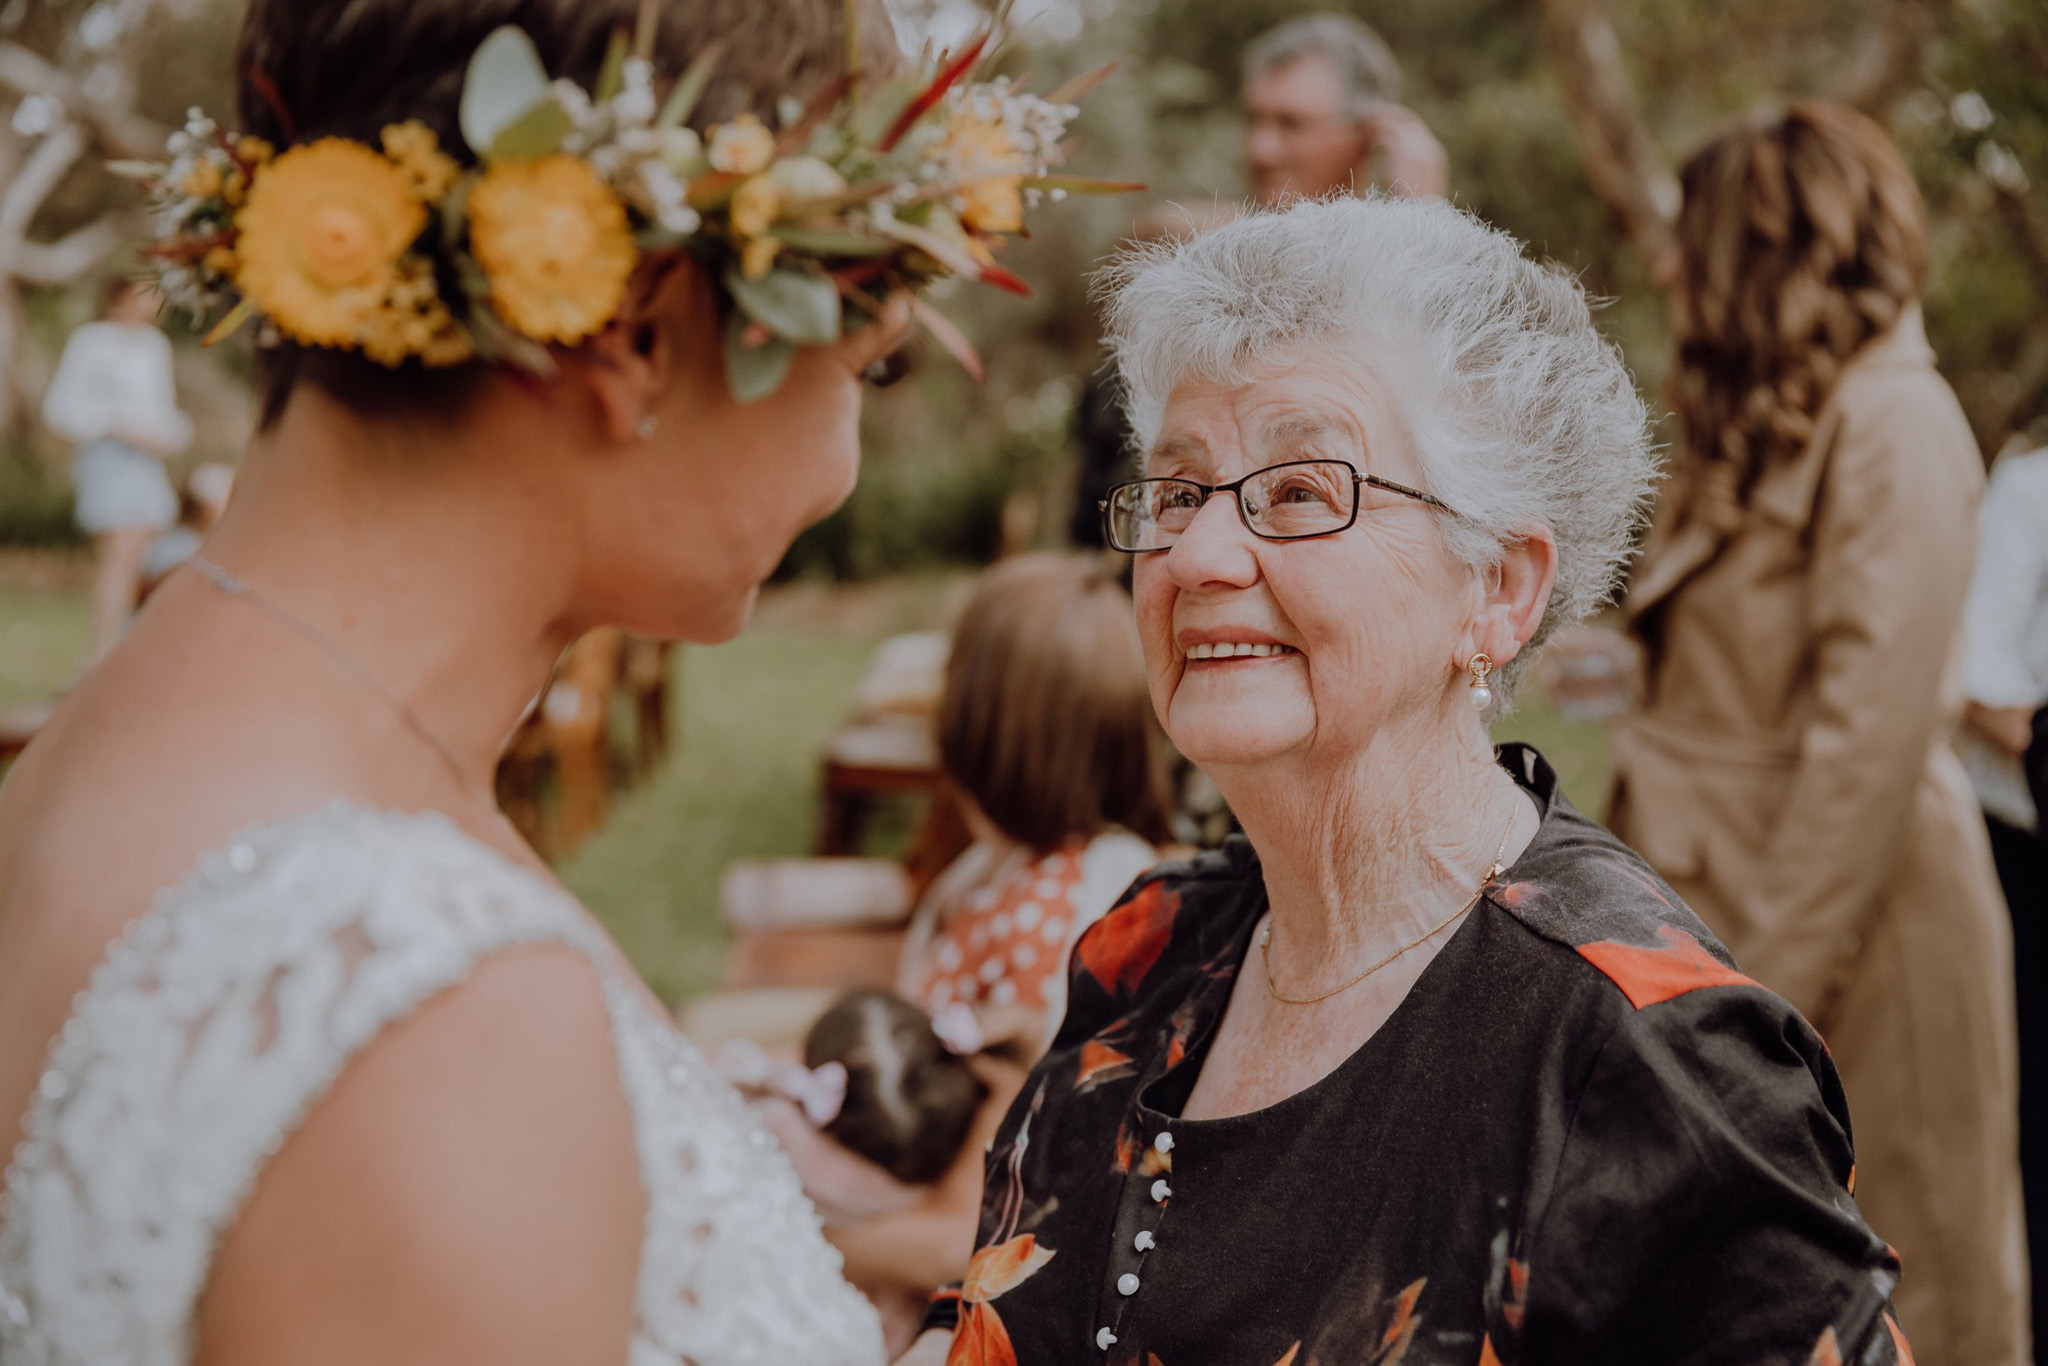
(1894, 536)
(1701, 1209)
(2011, 578)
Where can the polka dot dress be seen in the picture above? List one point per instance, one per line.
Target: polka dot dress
(1007, 941)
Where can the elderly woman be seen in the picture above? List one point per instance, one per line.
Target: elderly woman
(1428, 1066)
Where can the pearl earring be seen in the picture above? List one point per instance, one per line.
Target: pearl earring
(1481, 690)
(647, 427)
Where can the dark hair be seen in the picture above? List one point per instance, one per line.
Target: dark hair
(1046, 721)
(309, 69)
(909, 1102)
(1801, 237)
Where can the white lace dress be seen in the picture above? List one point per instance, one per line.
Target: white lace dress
(224, 1013)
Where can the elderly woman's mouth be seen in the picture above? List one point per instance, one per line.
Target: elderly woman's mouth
(1223, 649)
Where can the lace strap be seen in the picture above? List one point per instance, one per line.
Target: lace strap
(206, 1036)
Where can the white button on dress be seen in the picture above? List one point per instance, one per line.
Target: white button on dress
(1160, 1190)
(1144, 1241)
(1164, 1143)
(1105, 1339)
(1127, 1284)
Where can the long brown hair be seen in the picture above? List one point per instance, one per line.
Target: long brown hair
(1801, 237)
(1046, 721)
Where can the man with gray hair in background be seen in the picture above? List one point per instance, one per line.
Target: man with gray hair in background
(1321, 97)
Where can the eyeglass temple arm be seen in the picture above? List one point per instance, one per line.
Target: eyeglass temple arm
(1392, 487)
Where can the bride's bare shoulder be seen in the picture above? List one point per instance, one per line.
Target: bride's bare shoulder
(483, 1141)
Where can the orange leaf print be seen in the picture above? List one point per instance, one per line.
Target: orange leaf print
(1155, 1163)
(981, 1339)
(1401, 1332)
(1098, 1058)
(1127, 1145)
(1122, 946)
(1288, 1360)
(1650, 975)
(1487, 1356)
(1516, 1307)
(1899, 1343)
(1826, 1352)
(1004, 1267)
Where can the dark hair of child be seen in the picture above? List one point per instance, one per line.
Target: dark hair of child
(909, 1101)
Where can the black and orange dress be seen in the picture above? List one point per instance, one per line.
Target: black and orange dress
(1584, 1137)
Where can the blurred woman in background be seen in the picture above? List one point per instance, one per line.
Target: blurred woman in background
(1788, 771)
(113, 395)
(1049, 745)
(1051, 750)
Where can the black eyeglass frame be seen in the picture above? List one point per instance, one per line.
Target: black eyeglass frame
(1235, 489)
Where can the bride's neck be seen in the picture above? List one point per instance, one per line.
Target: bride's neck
(429, 556)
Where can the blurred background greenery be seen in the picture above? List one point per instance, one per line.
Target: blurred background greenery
(1530, 97)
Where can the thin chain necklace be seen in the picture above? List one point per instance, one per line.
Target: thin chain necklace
(233, 586)
(1266, 933)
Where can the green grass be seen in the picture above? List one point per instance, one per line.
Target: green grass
(44, 640)
(742, 783)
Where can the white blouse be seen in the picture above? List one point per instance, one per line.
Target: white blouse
(114, 380)
(2005, 653)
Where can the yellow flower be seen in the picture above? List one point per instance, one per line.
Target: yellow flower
(220, 261)
(555, 243)
(320, 237)
(203, 181)
(254, 151)
(413, 146)
(754, 206)
(742, 147)
(995, 205)
(235, 190)
(413, 321)
(757, 257)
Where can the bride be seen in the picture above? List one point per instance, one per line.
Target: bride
(309, 1057)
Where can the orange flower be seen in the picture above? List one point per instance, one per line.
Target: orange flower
(320, 237)
(415, 150)
(995, 205)
(555, 244)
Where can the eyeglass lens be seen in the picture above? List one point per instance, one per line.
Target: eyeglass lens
(1283, 502)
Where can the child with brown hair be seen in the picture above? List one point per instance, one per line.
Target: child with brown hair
(1050, 748)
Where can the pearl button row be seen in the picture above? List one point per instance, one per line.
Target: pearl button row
(1128, 1283)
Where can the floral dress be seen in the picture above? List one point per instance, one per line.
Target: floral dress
(1583, 1137)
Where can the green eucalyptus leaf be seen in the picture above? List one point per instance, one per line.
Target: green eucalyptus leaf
(536, 133)
(822, 242)
(754, 372)
(613, 78)
(795, 305)
(682, 101)
(505, 81)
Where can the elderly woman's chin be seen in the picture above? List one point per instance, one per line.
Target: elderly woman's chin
(1229, 713)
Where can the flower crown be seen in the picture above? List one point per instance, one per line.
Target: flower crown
(402, 254)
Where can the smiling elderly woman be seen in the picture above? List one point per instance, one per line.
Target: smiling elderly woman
(1428, 1067)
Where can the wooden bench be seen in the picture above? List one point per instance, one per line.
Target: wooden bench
(889, 744)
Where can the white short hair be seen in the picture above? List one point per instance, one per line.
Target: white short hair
(1519, 410)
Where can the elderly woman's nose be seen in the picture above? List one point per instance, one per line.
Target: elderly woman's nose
(1217, 547)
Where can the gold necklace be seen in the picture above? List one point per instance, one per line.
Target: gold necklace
(1493, 871)
(230, 585)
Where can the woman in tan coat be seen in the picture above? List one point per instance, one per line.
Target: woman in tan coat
(1789, 770)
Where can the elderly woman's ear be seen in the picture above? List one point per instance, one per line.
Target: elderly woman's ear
(1515, 594)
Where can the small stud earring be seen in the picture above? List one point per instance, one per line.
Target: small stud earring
(648, 425)
(1481, 690)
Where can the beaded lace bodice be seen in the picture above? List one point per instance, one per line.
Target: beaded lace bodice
(226, 1011)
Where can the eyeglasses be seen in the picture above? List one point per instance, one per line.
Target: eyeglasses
(1287, 502)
